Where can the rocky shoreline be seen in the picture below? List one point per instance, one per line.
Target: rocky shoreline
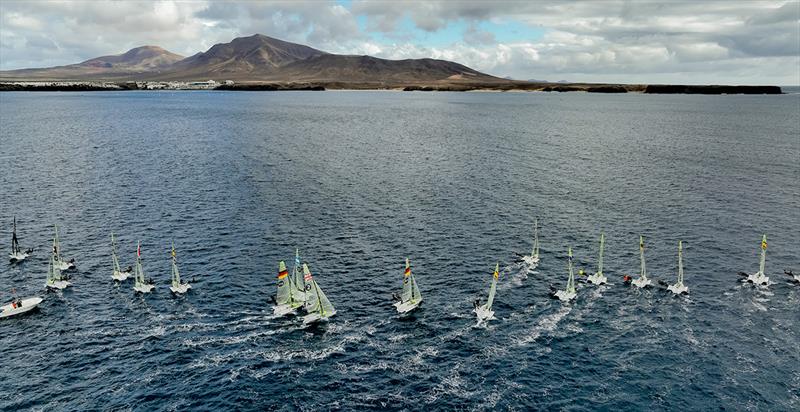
(437, 86)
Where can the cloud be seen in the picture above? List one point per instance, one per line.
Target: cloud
(702, 41)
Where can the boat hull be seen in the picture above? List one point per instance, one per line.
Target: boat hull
(58, 284)
(283, 310)
(120, 276)
(17, 257)
(531, 260)
(484, 314)
(28, 305)
(144, 288)
(565, 296)
(758, 278)
(678, 289)
(61, 265)
(180, 289)
(316, 317)
(642, 283)
(405, 307)
(597, 279)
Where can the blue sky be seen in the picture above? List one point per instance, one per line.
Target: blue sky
(704, 41)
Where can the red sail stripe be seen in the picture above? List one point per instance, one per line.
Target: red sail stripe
(282, 274)
(408, 271)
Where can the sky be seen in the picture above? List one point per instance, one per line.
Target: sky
(622, 41)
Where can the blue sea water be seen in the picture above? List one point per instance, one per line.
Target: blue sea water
(361, 180)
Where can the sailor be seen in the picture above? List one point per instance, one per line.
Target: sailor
(581, 272)
(395, 297)
(627, 279)
(129, 269)
(477, 303)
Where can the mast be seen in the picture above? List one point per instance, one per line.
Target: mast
(535, 252)
(600, 261)
(641, 257)
(493, 288)
(176, 276)
(763, 254)
(680, 262)
(114, 253)
(571, 279)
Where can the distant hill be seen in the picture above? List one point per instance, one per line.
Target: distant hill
(256, 58)
(134, 62)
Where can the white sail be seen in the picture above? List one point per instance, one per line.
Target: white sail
(114, 254)
(138, 271)
(316, 301)
(643, 271)
(176, 275)
(680, 262)
(493, 288)
(763, 260)
(297, 276)
(416, 296)
(535, 252)
(408, 288)
(571, 279)
(600, 260)
(56, 246)
(284, 285)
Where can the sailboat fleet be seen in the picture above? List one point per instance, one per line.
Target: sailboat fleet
(299, 290)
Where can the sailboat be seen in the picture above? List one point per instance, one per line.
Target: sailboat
(286, 301)
(299, 291)
(177, 286)
(58, 260)
(679, 287)
(642, 281)
(759, 278)
(410, 299)
(19, 306)
(140, 284)
(118, 274)
(16, 255)
(599, 278)
(533, 259)
(485, 312)
(569, 293)
(317, 304)
(55, 280)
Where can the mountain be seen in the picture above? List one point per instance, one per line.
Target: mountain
(145, 59)
(257, 58)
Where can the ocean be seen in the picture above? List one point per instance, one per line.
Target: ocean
(359, 181)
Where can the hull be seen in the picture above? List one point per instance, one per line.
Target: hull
(642, 283)
(120, 276)
(17, 257)
(143, 288)
(180, 289)
(283, 310)
(530, 260)
(58, 284)
(796, 278)
(565, 296)
(484, 314)
(27, 305)
(678, 289)
(315, 317)
(597, 279)
(758, 278)
(405, 307)
(61, 265)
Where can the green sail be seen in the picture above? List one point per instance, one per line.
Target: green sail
(297, 273)
(114, 254)
(680, 263)
(535, 252)
(493, 288)
(176, 276)
(600, 261)
(284, 288)
(316, 301)
(641, 257)
(416, 296)
(571, 279)
(138, 272)
(763, 261)
(408, 287)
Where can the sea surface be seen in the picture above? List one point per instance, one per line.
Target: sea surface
(358, 181)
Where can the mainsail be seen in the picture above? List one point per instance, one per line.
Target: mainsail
(600, 261)
(535, 252)
(493, 288)
(763, 255)
(680, 263)
(139, 273)
(114, 254)
(571, 279)
(53, 272)
(284, 296)
(176, 276)
(14, 242)
(56, 246)
(297, 275)
(411, 292)
(316, 301)
(641, 257)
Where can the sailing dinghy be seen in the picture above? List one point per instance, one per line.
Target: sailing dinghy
(533, 259)
(286, 301)
(140, 284)
(317, 304)
(599, 278)
(679, 288)
(19, 306)
(410, 299)
(569, 293)
(759, 278)
(55, 280)
(485, 312)
(642, 281)
(119, 275)
(59, 261)
(17, 255)
(177, 287)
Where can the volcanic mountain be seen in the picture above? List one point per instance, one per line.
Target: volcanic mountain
(257, 58)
